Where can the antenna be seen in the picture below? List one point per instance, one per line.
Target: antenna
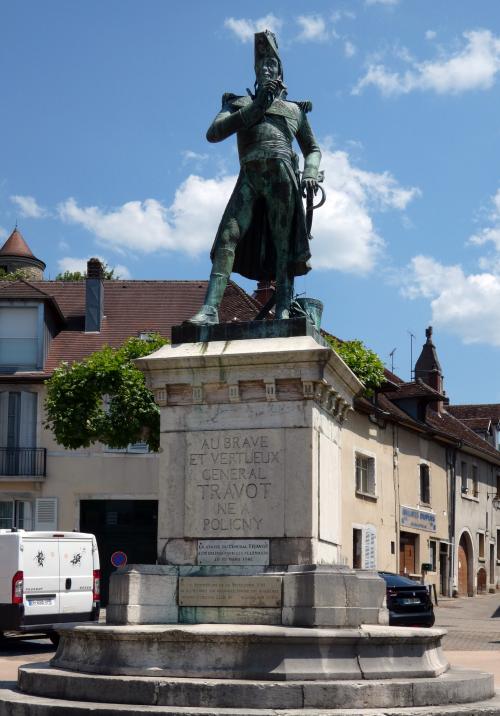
(391, 354)
(412, 336)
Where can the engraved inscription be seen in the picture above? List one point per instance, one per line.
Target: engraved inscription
(230, 591)
(223, 551)
(234, 484)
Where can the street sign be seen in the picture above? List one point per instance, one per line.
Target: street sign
(119, 559)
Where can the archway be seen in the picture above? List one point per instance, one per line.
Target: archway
(465, 571)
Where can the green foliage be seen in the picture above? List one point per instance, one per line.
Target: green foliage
(104, 398)
(364, 363)
(109, 273)
(15, 275)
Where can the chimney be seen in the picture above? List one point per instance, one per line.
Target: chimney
(94, 296)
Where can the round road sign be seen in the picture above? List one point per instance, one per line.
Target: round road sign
(119, 559)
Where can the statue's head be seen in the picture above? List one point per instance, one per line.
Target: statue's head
(267, 60)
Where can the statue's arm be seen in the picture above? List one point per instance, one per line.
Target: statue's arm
(309, 148)
(231, 119)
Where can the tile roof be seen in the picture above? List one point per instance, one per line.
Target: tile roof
(483, 424)
(16, 246)
(481, 410)
(130, 307)
(415, 389)
(455, 428)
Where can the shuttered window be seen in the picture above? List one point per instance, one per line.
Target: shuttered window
(46, 513)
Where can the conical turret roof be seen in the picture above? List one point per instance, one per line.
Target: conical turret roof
(16, 246)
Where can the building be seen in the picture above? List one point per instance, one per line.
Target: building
(419, 486)
(112, 493)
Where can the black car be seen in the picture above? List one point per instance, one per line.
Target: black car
(408, 602)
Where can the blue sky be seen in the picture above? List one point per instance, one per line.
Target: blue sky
(105, 105)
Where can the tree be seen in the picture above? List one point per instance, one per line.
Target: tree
(18, 274)
(364, 363)
(109, 274)
(104, 398)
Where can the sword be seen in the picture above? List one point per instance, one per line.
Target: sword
(308, 194)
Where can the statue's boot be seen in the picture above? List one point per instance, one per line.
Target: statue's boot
(208, 315)
(284, 294)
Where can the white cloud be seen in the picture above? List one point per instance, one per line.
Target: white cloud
(313, 28)
(188, 225)
(190, 156)
(430, 35)
(349, 49)
(381, 2)
(244, 28)
(465, 305)
(473, 67)
(3, 233)
(345, 237)
(490, 234)
(28, 207)
(73, 264)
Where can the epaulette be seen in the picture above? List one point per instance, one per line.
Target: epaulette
(229, 97)
(306, 105)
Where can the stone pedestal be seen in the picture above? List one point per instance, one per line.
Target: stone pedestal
(249, 519)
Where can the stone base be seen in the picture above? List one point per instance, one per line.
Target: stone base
(188, 333)
(52, 691)
(237, 651)
(294, 595)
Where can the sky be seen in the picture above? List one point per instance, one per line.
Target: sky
(104, 106)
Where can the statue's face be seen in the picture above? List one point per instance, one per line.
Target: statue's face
(267, 69)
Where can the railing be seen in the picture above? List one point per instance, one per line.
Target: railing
(23, 461)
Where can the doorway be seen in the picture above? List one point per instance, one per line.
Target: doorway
(465, 572)
(126, 525)
(407, 550)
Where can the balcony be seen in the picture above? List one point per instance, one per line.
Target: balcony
(23, 462)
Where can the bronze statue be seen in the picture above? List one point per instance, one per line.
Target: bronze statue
(263, 233)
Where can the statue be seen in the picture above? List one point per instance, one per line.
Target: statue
(263, 233)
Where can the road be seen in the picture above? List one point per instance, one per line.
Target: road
(473, 638)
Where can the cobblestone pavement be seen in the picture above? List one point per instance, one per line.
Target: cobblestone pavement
(473, 623)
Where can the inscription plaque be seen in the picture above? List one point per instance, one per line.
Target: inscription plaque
(230, 591)
(225, 551)
(234, 483)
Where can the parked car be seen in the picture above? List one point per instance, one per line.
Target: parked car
(47, 578)
(408, 602)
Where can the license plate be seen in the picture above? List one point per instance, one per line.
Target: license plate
(411, 600)
(40, 602)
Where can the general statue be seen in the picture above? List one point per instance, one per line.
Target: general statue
(263, 233)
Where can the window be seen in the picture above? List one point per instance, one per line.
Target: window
(19, 337)
(480, 544)
(498, 485)
(425, 488)
(133, 448)
(365, 475)
(498, 544)
(475, 481)
(364, 547)
(433, 554)
(357, 547)
(16, 513)
(463, 473)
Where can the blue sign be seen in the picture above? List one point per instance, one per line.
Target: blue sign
(118, 559)
(418, 519)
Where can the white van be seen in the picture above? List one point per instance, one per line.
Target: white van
(47, 578)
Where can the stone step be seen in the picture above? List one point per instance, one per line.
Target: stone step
(15, 703)
(455, 686)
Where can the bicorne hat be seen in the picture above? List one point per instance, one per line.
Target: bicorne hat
(266, 45)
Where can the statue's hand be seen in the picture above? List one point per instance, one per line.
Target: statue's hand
(309, 185)
(266, 94)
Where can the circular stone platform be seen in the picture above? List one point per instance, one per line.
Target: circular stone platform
(237, 651)
(243, 670)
